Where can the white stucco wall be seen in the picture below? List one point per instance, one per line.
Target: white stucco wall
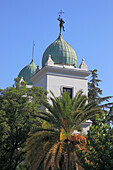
(41, 82)
(56, 82)
(56, 77)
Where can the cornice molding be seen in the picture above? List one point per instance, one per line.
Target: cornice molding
(61, 71)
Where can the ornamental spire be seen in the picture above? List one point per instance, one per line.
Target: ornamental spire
(61, 21)
(33, 50)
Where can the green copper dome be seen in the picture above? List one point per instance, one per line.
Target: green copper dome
(28, 71)
(61, 53)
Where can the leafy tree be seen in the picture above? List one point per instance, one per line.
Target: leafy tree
(94, 92)
(99, 152)
(17, 107)
(110, 114)
(53, 146)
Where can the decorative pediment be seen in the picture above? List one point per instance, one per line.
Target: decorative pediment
(83, 66)
(49, 61)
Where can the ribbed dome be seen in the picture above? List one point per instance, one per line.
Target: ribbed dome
(28, 71)
(61, 53)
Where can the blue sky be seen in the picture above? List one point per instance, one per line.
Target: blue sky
(88, 29)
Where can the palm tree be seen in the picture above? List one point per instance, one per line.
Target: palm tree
(53, 146)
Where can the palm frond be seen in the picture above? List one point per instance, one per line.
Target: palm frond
(55, 150)
(58, 156)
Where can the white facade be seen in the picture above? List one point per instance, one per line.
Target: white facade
(53, 77)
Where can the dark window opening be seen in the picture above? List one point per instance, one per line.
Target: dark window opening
(69, 91)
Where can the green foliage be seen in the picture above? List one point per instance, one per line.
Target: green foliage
(99, 153)
(53, 146)
(17, 107)
(94, 92)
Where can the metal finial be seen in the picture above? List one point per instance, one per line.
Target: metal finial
(61, 20)
(33, 50)
(60, 13)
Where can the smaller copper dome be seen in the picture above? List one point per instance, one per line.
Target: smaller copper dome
(28, 71)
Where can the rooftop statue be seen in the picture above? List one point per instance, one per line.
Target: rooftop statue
(61, 21)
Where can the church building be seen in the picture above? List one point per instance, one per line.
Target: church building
(59, 72)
